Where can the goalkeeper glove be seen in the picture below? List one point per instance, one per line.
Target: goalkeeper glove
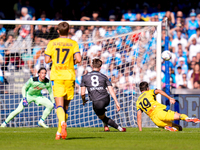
(25, 103)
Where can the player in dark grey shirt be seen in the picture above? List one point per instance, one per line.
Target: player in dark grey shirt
(96, 84)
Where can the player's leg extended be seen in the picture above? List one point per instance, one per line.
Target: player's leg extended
(42, 100)
(59, 92)
(163, 119)
(184, 117)
(99, 108)
(13, 114)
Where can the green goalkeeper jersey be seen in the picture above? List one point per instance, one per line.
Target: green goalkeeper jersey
(34, 87)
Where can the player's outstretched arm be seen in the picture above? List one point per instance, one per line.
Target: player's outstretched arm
(111, 90)
(139, 119)
(172, 100)
(83, 95)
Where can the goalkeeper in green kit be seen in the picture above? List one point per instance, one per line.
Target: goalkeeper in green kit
(31, 92)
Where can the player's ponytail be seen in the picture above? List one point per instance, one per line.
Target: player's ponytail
(42, 68)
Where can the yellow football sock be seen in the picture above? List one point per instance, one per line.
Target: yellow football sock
(59, 123)
(183, 116)
(60, 114)
(59, 127)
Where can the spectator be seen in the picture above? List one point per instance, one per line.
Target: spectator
(126, 80)
(181, 63)
(172, 79)
(110, 32)
(112, 18)
(95, 17)
(44, 34)
(93, 49)
(191, 68)
(2, 46)
(112, 71)
(12, 56)
(195, 75)
(123, 29)
(178, 40)
(129, 15)
(145, 14)
(115, 83)
(43, 17)
(26, 33)
(41, 63)
(39, 52)
(31, 10)
(79, 33)
(114, 56)
(193, 49)
(197, 36)
(196, 85)
(170, 18)
(178, 77)
(181, 53)
(185, 82)
(17, 9)
(138, 17)
(2, 31)
(192, 24)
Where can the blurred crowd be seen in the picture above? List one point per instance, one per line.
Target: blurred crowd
(128, 53)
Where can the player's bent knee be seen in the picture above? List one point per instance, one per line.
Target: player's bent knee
(101, 116)
(49, 105)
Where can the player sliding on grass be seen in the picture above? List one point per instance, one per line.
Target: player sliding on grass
(157, 112)
(31, 92)
(96, 84)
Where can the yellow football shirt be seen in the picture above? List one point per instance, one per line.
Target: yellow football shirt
(61, 51)
(147, 103)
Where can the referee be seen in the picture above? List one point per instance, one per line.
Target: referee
(96, 84)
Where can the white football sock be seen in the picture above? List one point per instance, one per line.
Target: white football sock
(120, 128)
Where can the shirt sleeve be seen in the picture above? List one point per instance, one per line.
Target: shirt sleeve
(26, 86)
(76, 48)
(138, 107)
(82, 82)
(48, 50)
(108, 83)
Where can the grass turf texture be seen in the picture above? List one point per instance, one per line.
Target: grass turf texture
(96, 139)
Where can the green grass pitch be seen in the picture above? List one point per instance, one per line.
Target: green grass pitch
(96, 139)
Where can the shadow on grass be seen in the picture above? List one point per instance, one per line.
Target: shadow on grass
(82, 138)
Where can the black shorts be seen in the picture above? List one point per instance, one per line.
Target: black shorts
(99, 105)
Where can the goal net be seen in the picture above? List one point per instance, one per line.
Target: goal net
(130, 52)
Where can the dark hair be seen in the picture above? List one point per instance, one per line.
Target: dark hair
(179, 67)
(96, 63)
(63, 28)
(143, 86)
(42, 69)
(197, 28)
(179, 44)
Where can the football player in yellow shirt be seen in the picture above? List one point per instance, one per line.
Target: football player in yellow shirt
(157, 112)
(64, 54)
